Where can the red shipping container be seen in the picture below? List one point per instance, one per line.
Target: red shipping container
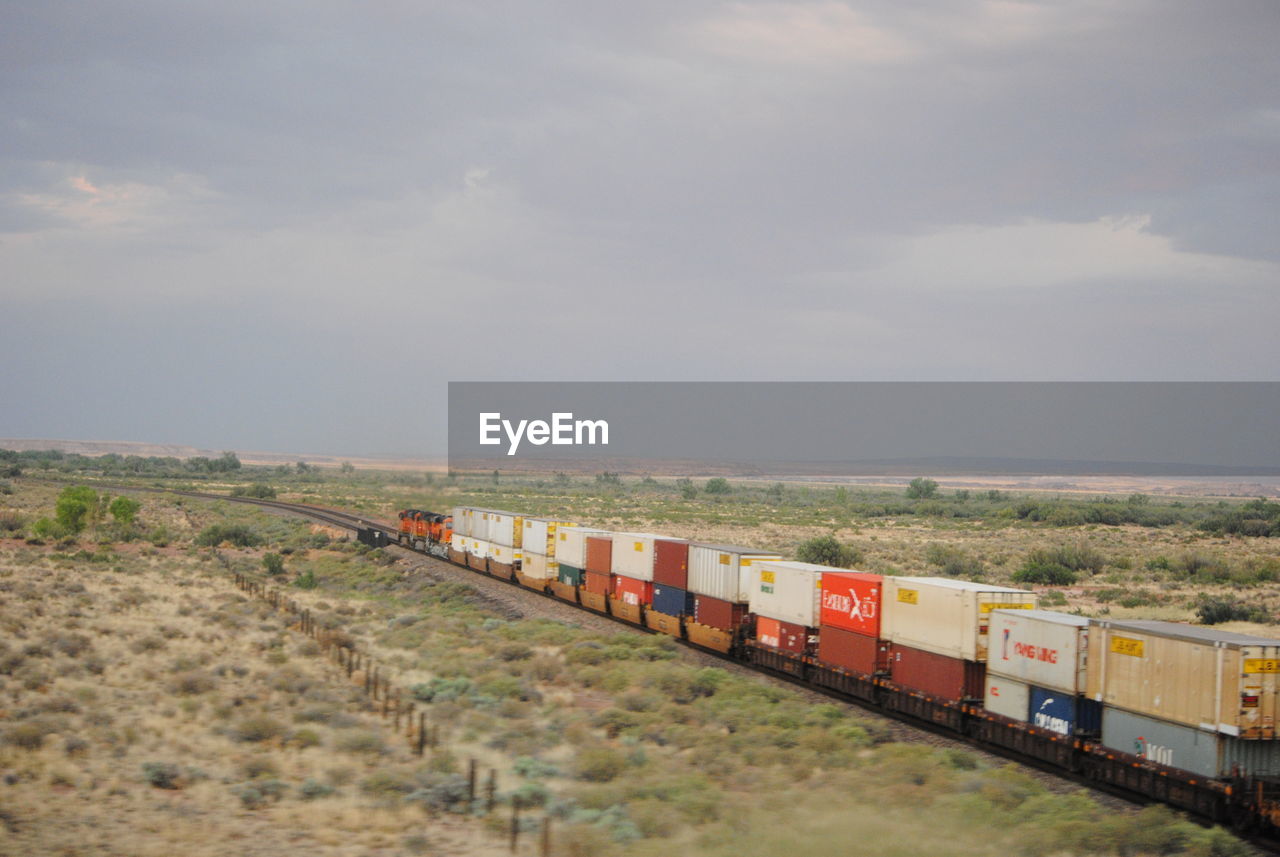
(716, 613)
(600, 554)
(671, 563)
(939, 675)
(768, 632)
(628, 590)
(851, 600)
(793, 638)
(596, 582)
(854, 652)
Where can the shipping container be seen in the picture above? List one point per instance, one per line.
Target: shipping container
(671, 563)
(540, 535)
(633, 555)
(599, 554)
(790, 591)
(462, 520)
(851, 600)
(944, 616)
(1007, 697)
(628, 590)
(596, 583)
(501, 528)
(939, 675)
(1064, 713)
(504, 554)
(1200, 677)
(571, 545)
(723, 571)
(568, 575)
(718, 613)
(768, 632)
(1040, 647)
(478, 554)
(672, 601)
(1209, 754)
(852, 651)
(537, 567)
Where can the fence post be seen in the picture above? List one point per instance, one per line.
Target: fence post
(545, 846)
(491, 790)
(471, 781)
(422, 731)
(515, 822)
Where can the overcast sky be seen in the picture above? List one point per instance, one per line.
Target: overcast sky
(286, 225)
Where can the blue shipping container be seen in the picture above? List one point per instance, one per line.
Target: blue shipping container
(672, 601)
(1064, 713)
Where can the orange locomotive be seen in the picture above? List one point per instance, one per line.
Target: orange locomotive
(426, 531)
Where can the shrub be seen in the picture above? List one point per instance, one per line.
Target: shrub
(235, 534)
(27, 736)
(258, 728)
(922, 488)
(161, 775)
(1050, 574)
(953, 561)
(192, 683)
(257, 489)
(273, 563)
(1214, 611)
(826, 550)
(442, 793)
(311, 789)
(717, 485)
(124, 510)
(599, 764)
(360, 741)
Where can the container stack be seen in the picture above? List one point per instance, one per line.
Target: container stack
(787, 602)
(632, 563)
(1036, 671)
(503, 532)
(719, 576)
(672, 600)
(461, 529)
(938, 631)
(1195, 698)
(597, 573)
(571, 561)
(849, 625)
(538, 552)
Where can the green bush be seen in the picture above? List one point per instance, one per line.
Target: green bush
(273, 564)
(717, 485)
(257, 489)
(258, 728)
(827, 550)
(599, 764)
(953, 561)
(235, 534)
(161, 775)
(922, 488)
(1214, 611)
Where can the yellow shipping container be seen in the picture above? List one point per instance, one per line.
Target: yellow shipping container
(1213, 680)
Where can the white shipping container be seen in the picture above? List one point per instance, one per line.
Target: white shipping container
(504, 554)
(1040, 647)
(945, 616)
(1007, 697)
(788, 591)
(478, 547)
(462, 520)
(540, 536)
(539, 567)
(504, 528)
(571, 545)
(632, 555)
(724, 571)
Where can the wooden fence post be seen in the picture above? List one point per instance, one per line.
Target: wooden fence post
(422, 731)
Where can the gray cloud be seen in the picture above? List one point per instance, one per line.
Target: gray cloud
(986, 190)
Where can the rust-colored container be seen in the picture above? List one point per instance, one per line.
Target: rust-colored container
(708, 637)
(786, 636)
(939, 675)
(717, 613)
(599, 554)
(626, 611)
(768, 632)
(671, 563)
(631, 591)
(852, 651)
(662, 622)
(851, 600)
(597, 601)
(596, 583)
(567, 591)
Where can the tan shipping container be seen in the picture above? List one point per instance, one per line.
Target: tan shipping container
(1218, 681)
(539, 567)
(944, 616)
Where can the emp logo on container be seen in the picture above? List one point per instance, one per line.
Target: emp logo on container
(563, 430)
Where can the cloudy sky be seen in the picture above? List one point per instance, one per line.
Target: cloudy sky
(286, 225)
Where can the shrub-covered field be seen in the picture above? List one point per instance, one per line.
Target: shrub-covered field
(150, 708)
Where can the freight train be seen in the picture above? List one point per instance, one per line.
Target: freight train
(1165, 711)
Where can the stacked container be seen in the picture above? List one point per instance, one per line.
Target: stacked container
(538, 563)
(1036, 671)
(671, 599)
(503, 532)
(1195, 698)
(719, 576)
(461, 530)
(597, 573)
(938, 631)
(786, 600)
(849, 624)
(571, 560)
(478, 554)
